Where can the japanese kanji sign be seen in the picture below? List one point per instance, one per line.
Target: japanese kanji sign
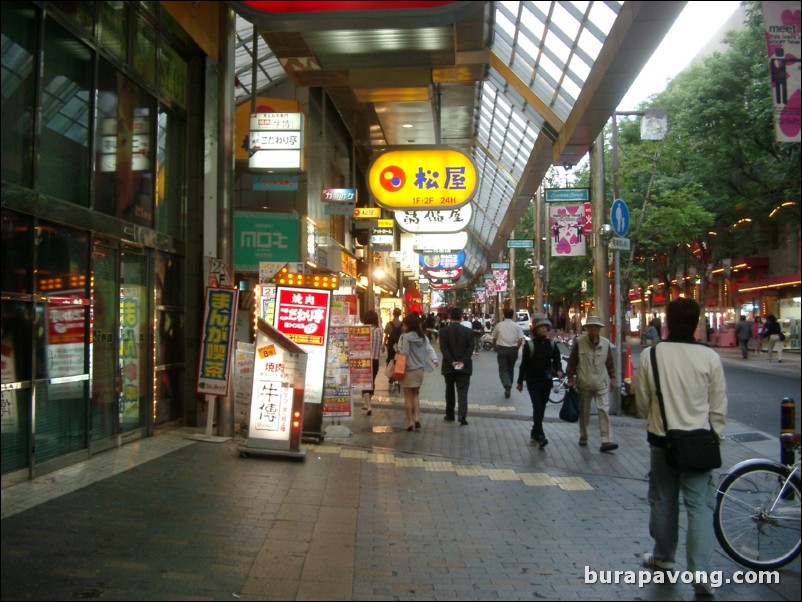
(217, 341)
(302, 315)
(422, 178)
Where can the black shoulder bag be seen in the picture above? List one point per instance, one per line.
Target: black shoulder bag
(697, 450)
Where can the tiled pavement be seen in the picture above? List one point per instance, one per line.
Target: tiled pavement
(450, 512)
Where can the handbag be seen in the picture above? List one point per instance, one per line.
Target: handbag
(570, 410)
(399, 366)
(388, 369)
(696, 450)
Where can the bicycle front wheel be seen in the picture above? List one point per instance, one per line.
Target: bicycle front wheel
(756, 522)
(557, 393)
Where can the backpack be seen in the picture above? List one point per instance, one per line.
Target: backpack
(395, 334)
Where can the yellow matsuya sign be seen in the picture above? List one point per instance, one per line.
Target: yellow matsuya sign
(422, 178)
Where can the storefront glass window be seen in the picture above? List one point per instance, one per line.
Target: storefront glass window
(66, 93)
(16, 235)
(62, 338)
(113, 28)
(173, 75)
(144, 52)
(124, 162)
(170, 357)
(81, 12)
(171, 180)
(19, 78)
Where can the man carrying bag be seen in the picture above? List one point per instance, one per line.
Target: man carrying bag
(690, 380)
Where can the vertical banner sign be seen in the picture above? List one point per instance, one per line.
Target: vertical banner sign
(279, 369)
(783, 33)
(302, 315)
(217, 341)
(567, 230)
(500, 271)
(336, 386)
(360, 358)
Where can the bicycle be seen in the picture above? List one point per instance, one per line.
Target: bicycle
(757, 515)
(558, 389)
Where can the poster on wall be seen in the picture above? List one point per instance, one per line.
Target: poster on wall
(243, 384)
(361, 364)
(336, 384)
(131, 333)
(302, 315)
(567, 230)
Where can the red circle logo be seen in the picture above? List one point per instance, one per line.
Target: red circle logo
(392, 178)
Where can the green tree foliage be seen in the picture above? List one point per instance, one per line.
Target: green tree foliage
(718, 174)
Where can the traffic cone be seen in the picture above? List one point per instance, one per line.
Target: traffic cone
(629, 370)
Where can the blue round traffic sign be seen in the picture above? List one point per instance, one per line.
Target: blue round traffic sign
(619, 215)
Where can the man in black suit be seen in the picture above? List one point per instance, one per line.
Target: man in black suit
(456, 344)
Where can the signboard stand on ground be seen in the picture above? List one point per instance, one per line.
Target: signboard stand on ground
(277, 396)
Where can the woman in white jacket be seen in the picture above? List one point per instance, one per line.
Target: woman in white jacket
(414, 344)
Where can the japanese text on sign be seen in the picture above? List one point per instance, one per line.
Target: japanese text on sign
(217, 341)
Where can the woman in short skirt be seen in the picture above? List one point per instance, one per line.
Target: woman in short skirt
(414, 344)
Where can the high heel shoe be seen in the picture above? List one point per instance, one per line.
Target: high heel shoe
(417, 424)
(369, 412)
(410, 428)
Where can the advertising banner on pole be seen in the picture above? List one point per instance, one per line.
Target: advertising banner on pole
(783, 42)
(217, 341)
(567, 230)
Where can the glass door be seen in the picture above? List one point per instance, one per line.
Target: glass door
(105, 366)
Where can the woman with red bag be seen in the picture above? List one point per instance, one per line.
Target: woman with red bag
(417, 351)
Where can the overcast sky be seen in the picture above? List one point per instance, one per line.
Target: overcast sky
(693, 28)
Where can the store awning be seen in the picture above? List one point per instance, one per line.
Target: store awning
(768, 283)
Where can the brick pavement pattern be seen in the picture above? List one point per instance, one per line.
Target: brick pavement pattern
(450, 512)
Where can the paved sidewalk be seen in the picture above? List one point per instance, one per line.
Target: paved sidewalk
(449, 512)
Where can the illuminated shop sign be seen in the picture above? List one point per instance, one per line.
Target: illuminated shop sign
(447, 220)
(442, 261)
(422, 178)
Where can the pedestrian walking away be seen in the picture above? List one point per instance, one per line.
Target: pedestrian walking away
(694, 397)
(414, 344)
(456, 345)
(392, 332)
(478, 330)
(507, 339)
(743, 332)
(776, 339)
(540, 359)
(371, 318)
(590, 369)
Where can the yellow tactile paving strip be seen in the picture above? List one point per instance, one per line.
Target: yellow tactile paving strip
(425, 403)
(531, 479)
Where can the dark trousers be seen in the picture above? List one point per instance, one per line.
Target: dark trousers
(506, 356)
(745, 347)
(460, 382)
(539, 395)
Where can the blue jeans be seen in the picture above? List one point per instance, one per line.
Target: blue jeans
(698, 494)
(506, 356)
